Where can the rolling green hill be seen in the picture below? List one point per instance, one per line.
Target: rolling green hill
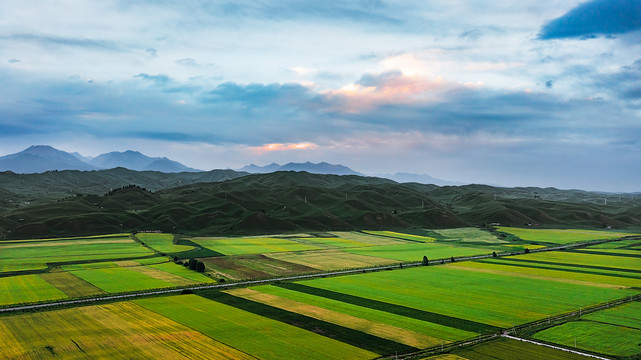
(225, 202)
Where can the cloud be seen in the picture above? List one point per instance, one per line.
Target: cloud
(285, 147)
(152, 52)
(13, 61)
(593, 18)
(549, 84)
(188, 62)
(48, 40)
(159, 80)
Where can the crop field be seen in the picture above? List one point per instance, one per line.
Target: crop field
(36, 254)
(561, 236)
(331, 259)
(27, 288)
(589, 335)
(240, 329)
(467, 300)
(402, 236)
(183, 272)
(238, 246)
(106, 331)
(631, 243)
(626, 315)
(416, 251)
(243, 267)
(367, 239)
(406, 330)
(120, 279)
(508, 349)
(162, 243)
(469, 234)
(332, 242)
(70, 284)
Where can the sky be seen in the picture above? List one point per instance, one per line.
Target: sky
(511, 93)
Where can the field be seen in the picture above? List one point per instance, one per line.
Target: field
(238, 246)
(467, 235)
(403, 236)
(162, 243)
(31, 255)
(106, 331)
(561, 236)
(27, 288)
(331, 259)
(416, 251)
(508, 349)
(240, 329)
(467, 300)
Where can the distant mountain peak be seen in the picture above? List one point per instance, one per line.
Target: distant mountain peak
(308, 166)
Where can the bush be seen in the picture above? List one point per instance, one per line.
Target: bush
(192, 264)
(200, 267)
(494, 254)
(527, 251)
(425, 260)
(452, 259)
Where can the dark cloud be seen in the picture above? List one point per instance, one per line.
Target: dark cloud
(13, 61)
(593, 18)
(47, 40)
(549, 84)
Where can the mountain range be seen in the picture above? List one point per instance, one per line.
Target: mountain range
(320, 168)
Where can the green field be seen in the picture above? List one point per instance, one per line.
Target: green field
(416, 251)
(492, 299)
(368, 239)
(508, 349)
(238, 246)
(555, 236)
(332, 242)
(331, 259)
(162, 242)
(182, 271)
(37, 254)
(437, 333)
(402, 236)
(626, 315)
(120, 279)
(469, 234)
(253, 334)
(594, 336)
(27, 288)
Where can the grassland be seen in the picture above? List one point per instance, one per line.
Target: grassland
(433, 334)
(367, 239)
(331, 259)
(508, 349)
(107, 331)
(628, 315)
(162, 242)
(554, 236)
(37, 254)
(250, 333)
(468, 234)
(590, 335)
(257, 245)
(27, 288)
(416, 251)
(402, 236)
(120, 279)
(332, 242)
(492, 299)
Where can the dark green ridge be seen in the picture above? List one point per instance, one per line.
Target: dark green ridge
(457, 323)
(595, 267)
(557, 269)
(343, 334)
(605, 253)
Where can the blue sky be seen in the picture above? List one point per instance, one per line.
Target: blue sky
(520, 93)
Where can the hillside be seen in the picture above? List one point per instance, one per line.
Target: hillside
(226, 203)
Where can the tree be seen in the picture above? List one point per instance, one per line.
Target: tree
(452, 259)
(200, 267)
(527, 251)
(494, 254)
(425, 260)
(192, 264)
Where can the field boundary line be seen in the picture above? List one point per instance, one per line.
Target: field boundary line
(555, 347)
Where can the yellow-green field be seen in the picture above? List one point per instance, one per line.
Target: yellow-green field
(555, 236)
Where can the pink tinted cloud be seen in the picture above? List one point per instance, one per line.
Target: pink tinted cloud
(285, 147)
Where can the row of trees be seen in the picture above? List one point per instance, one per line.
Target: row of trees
(193, 264)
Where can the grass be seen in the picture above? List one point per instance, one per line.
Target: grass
(555, 236)
(585, 258)
(436, 333)
(415, 252)
(27, 288)
(238, 246)
(626, 315)
(367, 239)
(332, 242)
(162, 242)
(508, 349)
(616, 244)
(402, 236)
(106, 332)
(589, 335)
(250, 333)
(24, 256)
(70, 284)
(331, 259)
(468, 234)
(493, 299)
(179, 270)
(120, 279)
